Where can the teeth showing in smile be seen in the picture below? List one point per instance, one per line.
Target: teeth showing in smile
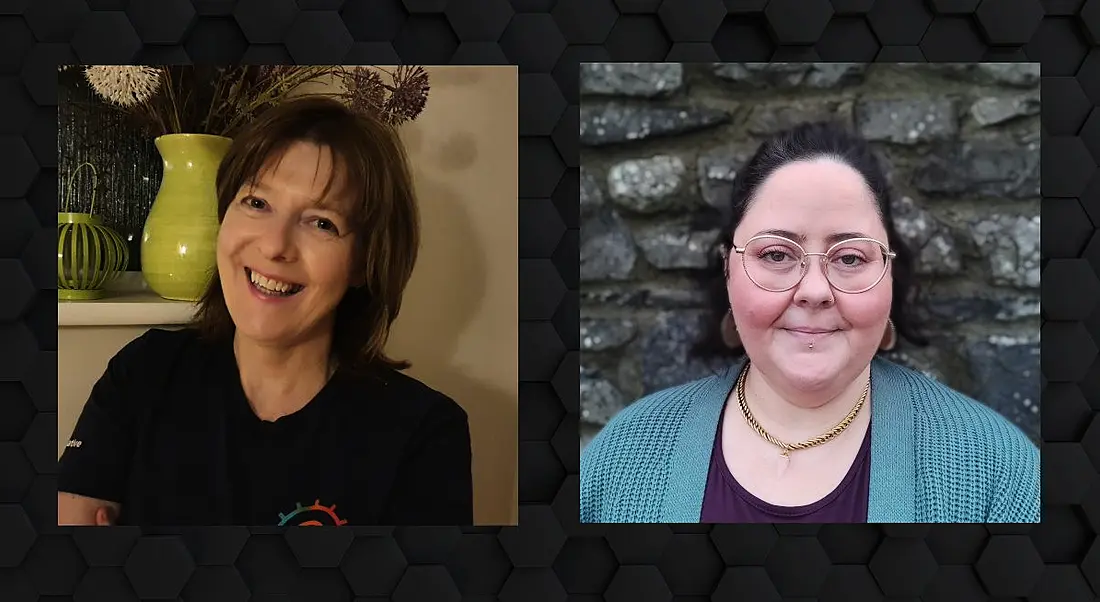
(270, 286)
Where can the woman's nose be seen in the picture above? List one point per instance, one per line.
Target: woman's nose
(277, 242)
(814, 288)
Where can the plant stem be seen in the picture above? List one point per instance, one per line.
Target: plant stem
(175, 114)
(213, 101)
(299, 76)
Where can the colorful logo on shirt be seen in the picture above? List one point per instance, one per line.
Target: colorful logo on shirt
(312, 516)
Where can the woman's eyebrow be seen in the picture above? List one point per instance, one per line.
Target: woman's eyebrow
(325, 203)
(328, 205)
(801, 238)
(839, 236)
(798, 238)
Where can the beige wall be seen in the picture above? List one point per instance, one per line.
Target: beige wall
(459, 325)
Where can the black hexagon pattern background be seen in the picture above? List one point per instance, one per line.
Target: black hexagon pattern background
(550, 556)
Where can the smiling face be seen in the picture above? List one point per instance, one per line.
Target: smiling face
(285, 248)
(814, 201)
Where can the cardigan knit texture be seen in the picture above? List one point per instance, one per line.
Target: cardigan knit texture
(937, 456)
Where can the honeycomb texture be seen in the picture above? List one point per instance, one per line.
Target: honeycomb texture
(551, 557)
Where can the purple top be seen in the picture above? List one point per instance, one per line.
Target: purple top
(726, 501)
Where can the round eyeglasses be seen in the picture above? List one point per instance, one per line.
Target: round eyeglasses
(778, 264)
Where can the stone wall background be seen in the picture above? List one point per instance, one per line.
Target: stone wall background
(661, 143)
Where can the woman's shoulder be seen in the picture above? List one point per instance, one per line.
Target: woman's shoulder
(159, 340)
(968, 453)
(629, 467)
(402, 397)
(159, 350)
(658, 413)
(157, 344)
(942, 409)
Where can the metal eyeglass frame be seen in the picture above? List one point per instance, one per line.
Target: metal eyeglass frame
(887, 253)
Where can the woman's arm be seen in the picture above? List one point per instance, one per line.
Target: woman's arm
(1018, 487)
(95, 470)
(78, 510)
(434, 484)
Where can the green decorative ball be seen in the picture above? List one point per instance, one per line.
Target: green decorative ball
(89, 255)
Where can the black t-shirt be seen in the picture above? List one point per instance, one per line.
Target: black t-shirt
(169, 434)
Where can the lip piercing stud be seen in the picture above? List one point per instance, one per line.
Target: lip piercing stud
(811, 344)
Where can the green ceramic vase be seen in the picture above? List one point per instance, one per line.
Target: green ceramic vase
(89, 255)
(179, 241)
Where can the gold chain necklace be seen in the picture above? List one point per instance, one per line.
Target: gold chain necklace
(787, 448)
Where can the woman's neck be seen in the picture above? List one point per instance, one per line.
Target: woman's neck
(794, 415)
(280, 380)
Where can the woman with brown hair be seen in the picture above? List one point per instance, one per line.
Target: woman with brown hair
(279, 406)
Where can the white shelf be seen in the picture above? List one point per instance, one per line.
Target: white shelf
(128, 302)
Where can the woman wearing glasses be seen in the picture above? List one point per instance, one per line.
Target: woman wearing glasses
(807, 424)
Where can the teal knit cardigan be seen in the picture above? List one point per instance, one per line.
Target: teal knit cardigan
(936, 455)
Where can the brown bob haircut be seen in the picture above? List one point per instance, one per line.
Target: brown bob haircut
(384, 217)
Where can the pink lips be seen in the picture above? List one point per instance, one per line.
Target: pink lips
(809, 336)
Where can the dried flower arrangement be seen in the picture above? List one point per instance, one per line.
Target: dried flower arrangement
(219, 100)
